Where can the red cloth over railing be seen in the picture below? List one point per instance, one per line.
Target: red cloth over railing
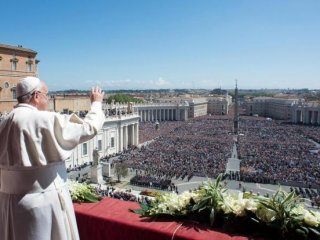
(110, 219)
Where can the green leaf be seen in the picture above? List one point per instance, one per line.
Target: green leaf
(315, 231)
(288, 198)
(306, 230)
(268, 206)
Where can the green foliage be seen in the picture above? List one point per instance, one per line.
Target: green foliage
(287, 217)
(282, 216)
(212, 198)
(123, 98)
(121, 170)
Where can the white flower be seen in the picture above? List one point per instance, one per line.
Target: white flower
(78, 191)
(251, 204)
(265, 214)
(236, 204)
(310, 218)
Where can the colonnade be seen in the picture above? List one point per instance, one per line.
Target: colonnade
(307, 116)
(128, 136)
(162, 114)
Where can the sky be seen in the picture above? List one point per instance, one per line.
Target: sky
(168, 44)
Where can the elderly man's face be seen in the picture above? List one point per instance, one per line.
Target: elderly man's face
(42, 97)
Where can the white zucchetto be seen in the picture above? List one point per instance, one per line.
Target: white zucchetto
(27, 85)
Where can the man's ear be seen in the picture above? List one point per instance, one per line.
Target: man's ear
(35, 98)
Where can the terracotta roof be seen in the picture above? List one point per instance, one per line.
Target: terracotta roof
(17, 48)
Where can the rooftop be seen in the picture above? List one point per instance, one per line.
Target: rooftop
(17, 48)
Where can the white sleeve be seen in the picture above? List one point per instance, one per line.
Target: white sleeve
(70, 130)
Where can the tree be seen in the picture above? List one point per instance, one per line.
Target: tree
(121, 170)
(123, 98)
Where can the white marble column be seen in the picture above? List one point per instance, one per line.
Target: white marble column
(132, 133)
(120, 139)
(125, 137)
(136, 128)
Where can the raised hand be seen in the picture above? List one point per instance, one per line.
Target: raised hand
(96, 94)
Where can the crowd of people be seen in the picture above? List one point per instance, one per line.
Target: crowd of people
(126, 195)
(152, 182)
(181, 150)
(273, 152)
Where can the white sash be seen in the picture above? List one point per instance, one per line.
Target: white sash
(22, 180)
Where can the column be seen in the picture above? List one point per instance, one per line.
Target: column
(157, 115)
(132, 132)
(152, 117)
(120, 139)
(171, 114)
(125, 137)
(136, 128)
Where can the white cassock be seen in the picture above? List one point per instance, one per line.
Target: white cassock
(35, 203)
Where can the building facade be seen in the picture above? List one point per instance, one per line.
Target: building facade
(197, 108)
(69, 103)
(219, 105)
(15, 63)
(276, 108)
(118, 133)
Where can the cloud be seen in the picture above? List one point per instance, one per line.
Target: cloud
(129, 83)
(160, 82)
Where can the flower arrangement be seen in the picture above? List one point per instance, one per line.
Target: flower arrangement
(81, 192)
(282, 216)
(150, 193)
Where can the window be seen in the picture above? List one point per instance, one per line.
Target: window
(29, 67)
(6, 85)
(14, 93)
(29, 64)
(84, 149)
(99, 145)
(13, 65)
(112, 142)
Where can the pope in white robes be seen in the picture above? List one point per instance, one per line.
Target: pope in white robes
(35, 203)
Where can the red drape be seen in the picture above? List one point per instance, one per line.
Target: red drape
(110, 219)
